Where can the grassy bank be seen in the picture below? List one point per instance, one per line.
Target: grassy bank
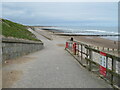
(12, 29)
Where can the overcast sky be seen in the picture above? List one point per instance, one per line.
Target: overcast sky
(62, 13)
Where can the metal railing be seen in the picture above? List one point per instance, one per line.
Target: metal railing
(105, 65)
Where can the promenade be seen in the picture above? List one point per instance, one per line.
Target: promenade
(52, 67)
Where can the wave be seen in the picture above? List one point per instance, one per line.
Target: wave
(91, 31)
(85, 31)
(101, 31)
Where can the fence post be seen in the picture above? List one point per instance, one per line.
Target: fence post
(90, 57)
(113, 66)
(113, 49)
(78, 50)
(118, 64)
(87, 55)
(119, 73)
(103, 48)
(98, 48)
(74, 48)
(81, 52)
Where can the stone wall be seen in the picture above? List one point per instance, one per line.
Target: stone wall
(12, 48)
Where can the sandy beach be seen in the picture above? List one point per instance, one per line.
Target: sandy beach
(91, 40)
(94, 41)
(97, 41)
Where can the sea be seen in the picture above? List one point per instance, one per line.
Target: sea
(91, 30)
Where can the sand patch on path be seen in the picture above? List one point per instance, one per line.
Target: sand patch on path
(10, 77)
(18, 61)
(61, 45)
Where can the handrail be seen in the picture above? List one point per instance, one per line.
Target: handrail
(103, 64)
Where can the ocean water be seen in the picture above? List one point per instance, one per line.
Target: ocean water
(91, 30)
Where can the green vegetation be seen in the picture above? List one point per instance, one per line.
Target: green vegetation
(11, 29)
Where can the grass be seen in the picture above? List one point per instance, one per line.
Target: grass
(12, 29)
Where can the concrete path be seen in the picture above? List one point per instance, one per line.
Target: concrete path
(52, 67)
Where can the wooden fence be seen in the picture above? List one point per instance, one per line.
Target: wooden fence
(103, 64)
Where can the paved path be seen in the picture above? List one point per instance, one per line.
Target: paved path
(52, 67)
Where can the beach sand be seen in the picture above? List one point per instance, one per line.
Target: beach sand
(95, 41)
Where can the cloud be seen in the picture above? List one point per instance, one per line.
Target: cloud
(9, 12)
(48, 13)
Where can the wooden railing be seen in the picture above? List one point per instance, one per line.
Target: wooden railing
(105, 65)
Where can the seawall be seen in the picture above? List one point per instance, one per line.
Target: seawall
(13, 48)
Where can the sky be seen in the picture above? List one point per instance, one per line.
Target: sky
(60, 0)
(62, 13)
